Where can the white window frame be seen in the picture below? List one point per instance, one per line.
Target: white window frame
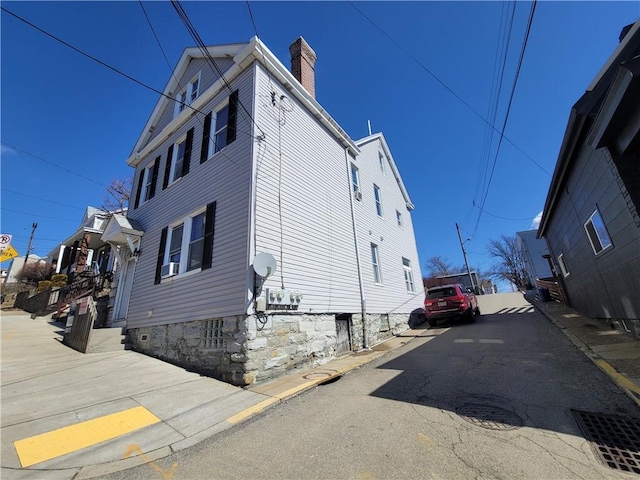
(186, 96)
(382, 160)
(187, 224)
(355, 178)
(213, 129)
(399, 218)
(563, 267)
(598, 231)
(211, 334)
(174, 160)
(378, 198)
(408, 275)
(375, 262)
(147, 179)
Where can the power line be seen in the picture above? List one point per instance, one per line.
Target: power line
(255, 29)
(114, 69)
(37, 215)
(40, 198)
(506, 117)
(52, 163)
(205, 52)
(479, 115)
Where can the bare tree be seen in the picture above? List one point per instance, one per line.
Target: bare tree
(33, 272)
(118, 194)
(438, 266)
(509, 263)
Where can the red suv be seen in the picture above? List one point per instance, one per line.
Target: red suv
(450, 301)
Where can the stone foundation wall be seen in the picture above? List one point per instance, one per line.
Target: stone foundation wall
(183, 344)
(258, 348)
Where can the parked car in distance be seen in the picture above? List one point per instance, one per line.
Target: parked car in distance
(450, 301)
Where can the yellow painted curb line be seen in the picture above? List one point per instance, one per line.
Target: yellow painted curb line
(620, 379)
(257, 408)
(65, 440)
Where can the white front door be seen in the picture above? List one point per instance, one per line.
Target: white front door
(123, 294)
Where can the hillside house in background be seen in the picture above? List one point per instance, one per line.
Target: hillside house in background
(590, 219)
(536, 256)
(248, 162)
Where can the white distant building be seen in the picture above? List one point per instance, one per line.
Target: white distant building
(533, 250)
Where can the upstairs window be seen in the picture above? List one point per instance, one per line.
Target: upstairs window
(147, 183)
(381, 160)
(220, 126)
(378, 198)
(597, 233)
(355, 179)
(563, 266)
(178, 160)
(188, 95)
(399, 218)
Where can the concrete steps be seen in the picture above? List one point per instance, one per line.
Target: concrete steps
(107, 340)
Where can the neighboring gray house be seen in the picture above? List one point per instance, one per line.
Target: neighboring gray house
(590, 219)
(248, 162)
(533, 251)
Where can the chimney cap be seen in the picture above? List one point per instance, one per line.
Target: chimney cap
(300, 46)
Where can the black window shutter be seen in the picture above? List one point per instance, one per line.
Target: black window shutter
(233, 117)
(167, 168)
(206, 134)
(139, 189)
(207, 248)
(187, 152)
(154, 179)
(163, 244)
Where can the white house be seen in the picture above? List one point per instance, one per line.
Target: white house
(535, 252)
(238, 159)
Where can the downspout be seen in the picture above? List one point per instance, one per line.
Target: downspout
(363, 301)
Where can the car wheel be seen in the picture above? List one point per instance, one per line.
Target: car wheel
(432, 322)
(471, 318)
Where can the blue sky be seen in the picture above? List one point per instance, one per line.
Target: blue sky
(78, 116)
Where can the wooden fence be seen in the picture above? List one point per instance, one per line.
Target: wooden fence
(555, 290)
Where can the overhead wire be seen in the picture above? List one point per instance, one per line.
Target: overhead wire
(445, 86)
(510, 103)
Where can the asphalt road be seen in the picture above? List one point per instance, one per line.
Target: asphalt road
(490, 400)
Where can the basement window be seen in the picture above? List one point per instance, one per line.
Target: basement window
(212, 334)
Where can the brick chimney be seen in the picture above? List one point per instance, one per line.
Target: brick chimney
(303, 61)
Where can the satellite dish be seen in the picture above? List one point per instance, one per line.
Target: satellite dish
(264, 265)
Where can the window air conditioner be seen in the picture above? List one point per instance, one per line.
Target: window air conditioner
(170, 269)
(358, 195)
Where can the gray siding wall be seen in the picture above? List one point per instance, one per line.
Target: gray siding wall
(307, 170)
(208, 77)
(225, 178)
(606, 285)
(394, 242)
(533, 249)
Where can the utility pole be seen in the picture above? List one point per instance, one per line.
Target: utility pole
(33, 230)
(466, 262)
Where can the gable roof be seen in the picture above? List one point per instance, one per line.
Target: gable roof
(392, 162)
(243, 54)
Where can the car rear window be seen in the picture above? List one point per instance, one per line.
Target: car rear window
(442, 292)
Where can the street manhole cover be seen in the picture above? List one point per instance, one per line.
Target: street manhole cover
(489, 416)
(614, 440)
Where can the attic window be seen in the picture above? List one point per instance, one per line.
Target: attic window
(188, 94)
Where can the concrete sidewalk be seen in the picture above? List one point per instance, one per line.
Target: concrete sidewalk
(614, 350)
(69, 415)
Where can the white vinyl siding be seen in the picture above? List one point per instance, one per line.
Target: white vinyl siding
(314, 188)
(394, 243)
(220, 290)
